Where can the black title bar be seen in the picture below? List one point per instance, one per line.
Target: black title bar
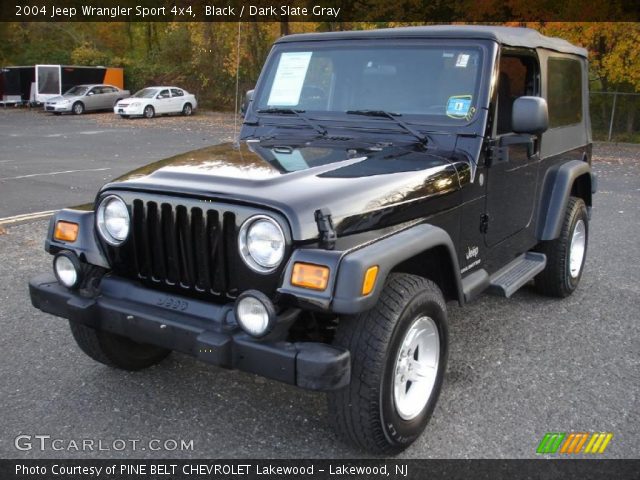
(384, 11)
(319, 469)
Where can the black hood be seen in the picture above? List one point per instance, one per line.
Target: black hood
(363, 188)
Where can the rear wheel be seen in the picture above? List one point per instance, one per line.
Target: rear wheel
(399, 355)
(566, 254)
(187, 109)
(114, 350)
(78, 108)
(149, 112)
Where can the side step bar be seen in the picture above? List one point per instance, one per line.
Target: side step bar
(511, 277)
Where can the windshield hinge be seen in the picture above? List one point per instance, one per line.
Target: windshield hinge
(327, 233)
(484, 223)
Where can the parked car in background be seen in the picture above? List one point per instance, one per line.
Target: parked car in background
(153, 101)
(83, 98)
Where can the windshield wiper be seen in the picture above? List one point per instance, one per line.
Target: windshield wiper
(298, 113)
(393, 116)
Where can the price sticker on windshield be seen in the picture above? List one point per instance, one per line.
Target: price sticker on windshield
(459, 106)
(287, 84)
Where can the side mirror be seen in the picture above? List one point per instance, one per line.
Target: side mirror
(248, 98)
(90, 93)
(530, 115)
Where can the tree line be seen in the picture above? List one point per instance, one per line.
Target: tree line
(203, 57)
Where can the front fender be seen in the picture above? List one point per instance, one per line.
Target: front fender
(387, 254)
(86, 246)
(344, 290)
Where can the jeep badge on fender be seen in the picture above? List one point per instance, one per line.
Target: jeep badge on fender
(379, 174)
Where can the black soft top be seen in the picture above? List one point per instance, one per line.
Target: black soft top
(512, 36)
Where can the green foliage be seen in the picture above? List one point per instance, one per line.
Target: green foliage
(87, 54)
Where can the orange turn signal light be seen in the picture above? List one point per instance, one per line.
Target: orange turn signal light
(66, 231)
(369, 281)
(308, 275)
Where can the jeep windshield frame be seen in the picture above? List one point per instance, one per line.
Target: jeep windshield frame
(474, 59)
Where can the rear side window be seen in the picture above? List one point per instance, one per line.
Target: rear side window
(177, 92)
(564, 91)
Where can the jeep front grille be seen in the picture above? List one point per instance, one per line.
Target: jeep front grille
(184, 246)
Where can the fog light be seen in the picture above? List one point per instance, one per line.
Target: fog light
(255, 313)
(67, 268)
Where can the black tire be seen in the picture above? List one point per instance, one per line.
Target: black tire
(187, 110)
(364, 413)
(556, 280)
(149, 112)
(114, 350)
(78, 108)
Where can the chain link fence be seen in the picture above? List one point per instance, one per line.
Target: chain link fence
(615, 116)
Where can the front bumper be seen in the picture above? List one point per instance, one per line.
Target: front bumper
(128, 110)
(57, 107)
(204, 330)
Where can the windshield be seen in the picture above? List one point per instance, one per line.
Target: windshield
(426, 83)
(146, 93)
(77, 91)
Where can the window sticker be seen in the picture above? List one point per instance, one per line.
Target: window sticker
(287, 84)
(463, 60)
(459, 106)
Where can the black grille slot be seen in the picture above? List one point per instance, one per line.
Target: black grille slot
(183, 246)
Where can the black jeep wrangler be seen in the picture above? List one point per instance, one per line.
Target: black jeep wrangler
(378, 175)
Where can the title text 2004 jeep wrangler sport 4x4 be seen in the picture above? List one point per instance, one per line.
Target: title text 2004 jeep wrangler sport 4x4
(379, 174)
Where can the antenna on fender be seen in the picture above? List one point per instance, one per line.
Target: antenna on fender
(236, 134)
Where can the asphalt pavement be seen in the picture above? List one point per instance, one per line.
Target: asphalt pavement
(49, 162)
(518, 368)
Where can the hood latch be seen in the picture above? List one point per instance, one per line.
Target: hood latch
(327, 233)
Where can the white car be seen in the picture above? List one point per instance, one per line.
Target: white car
(153, 101)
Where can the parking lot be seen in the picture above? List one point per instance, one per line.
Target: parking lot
(49, 162)
(518, 368)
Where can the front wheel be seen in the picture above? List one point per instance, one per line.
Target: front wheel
(114, 350)
(399, 354)
(566, 254)
(149, 112)
(78, 108)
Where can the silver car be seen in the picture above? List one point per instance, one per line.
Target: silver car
(83, 98)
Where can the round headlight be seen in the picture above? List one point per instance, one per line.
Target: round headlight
(255, 313)
(113, 220)
(67, 269)
(261, 243)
